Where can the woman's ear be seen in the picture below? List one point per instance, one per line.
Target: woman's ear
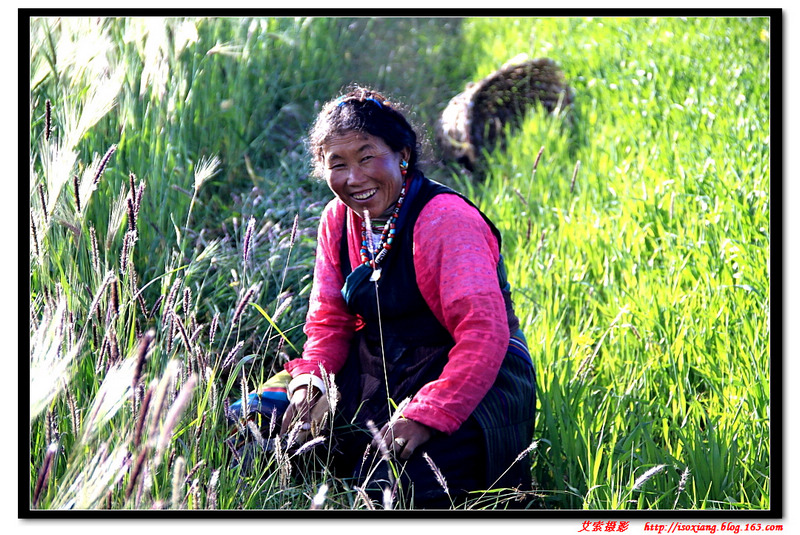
(405, 153)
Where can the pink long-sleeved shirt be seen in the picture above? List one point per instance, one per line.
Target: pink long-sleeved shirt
(455, 258)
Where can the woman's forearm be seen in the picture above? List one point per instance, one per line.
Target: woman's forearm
(457, 276)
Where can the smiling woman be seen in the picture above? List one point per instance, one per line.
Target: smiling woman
(411, 330)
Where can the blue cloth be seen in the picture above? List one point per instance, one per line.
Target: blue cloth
(265, 403)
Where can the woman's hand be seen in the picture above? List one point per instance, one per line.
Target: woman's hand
(300, 406)
(404, 436)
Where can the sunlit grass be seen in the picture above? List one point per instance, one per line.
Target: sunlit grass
(173, 231)
(649, 273)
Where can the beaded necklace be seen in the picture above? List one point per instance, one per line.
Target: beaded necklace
(387, 237)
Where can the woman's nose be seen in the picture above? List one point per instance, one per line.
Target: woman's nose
(355, 176)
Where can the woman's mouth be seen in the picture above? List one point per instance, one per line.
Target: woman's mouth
(364, 195)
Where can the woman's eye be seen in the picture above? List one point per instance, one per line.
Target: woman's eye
(365, 158)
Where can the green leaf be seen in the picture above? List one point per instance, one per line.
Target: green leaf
(274, 326)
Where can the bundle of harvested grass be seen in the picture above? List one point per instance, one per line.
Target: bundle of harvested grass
(475, 118)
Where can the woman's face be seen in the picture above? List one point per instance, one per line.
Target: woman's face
(363, 172)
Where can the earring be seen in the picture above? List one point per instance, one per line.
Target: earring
(403, 167)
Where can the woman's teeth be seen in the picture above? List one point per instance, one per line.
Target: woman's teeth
(364, 195)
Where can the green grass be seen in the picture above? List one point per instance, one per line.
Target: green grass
(642, 284)
(645, 284)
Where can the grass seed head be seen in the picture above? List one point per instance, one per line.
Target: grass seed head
(319, 498)
(376, 436)
(644, 478)
(256, 432)
(35, 236)
(205, 169)
(293, 234)
(533, 445)
(136, 472)
(131, 215)
(213, 484)
(173, 292)
(187, 300)
(364, 497)
(574, 175)
(50, 427)
(175, 411)
(44, 472)
(141, 356)
(178, 481)
(94, 250)
(212, 331)
(193, 471)
(76, 192)
(43, 202)
(114, 301)
(243, 303)
(74, 419)
(139, 195)
(309, 445)
(436, 472)
(48, 119)
(143, 414)
(104, 163)
(232, 355)
(388, 498)
(536, 162)
(249, 241)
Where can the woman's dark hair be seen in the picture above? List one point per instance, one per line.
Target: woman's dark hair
(362, 110)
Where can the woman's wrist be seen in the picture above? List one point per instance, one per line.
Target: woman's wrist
(305, 380)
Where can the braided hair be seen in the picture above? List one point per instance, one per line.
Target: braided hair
(362, 110)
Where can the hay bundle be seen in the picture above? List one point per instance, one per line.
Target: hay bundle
(475, 119)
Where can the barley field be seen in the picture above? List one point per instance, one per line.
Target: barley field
(172, 231)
